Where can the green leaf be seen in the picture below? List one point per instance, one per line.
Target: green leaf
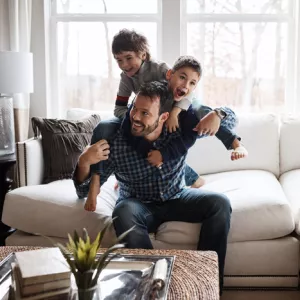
(96, 241)
(71, 245)
(71, 263)
(92, 255)
(81, 260)
(86, 237)
(85, 266)
(81, 244)
(123, 235)
(103, 231)
(95, 277)
(76, 237)
(101, 261)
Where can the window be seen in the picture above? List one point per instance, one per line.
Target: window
(85, 74)
(243, 46)
(248, 49)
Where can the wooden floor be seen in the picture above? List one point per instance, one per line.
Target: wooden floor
(261, 295)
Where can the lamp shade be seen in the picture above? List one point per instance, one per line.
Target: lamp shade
(16, 72)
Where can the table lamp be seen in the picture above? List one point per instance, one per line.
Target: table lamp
(16, 76)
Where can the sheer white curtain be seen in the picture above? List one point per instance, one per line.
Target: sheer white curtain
(15, 31)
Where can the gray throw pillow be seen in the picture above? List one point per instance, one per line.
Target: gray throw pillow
(62, 142)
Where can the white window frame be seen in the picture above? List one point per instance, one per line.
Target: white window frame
(56, 105)
(172, 22)
(292, 18)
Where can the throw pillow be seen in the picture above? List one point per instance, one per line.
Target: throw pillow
(62, 142)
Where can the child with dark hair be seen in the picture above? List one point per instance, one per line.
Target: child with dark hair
(131, 52)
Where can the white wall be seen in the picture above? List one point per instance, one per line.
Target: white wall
(4, 36)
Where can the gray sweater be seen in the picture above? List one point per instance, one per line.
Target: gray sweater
(150, 71)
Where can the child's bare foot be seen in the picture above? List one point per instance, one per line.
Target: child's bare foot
(90, 203)
(239, 152)
(116, 185)
(198, 183)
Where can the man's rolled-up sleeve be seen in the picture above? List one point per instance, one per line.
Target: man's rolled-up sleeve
(82, 188)
(106, 168)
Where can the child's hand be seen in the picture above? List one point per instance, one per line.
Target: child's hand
(208, 125)
(172, 123)
(155, 158)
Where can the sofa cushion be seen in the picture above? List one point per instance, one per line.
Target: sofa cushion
(289, 144)
(260, 135)
(54, 210)
(254, 129)
(290, 185)
(62, 142)
(81, 113)
(260, 209)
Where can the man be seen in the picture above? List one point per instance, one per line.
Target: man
(150, 196)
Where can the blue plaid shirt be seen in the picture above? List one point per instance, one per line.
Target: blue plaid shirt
(136, 177)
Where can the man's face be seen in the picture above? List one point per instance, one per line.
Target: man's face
(144, 115)
(182, 82)
(130, 62)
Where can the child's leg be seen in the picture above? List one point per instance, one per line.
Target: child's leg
(229, 122)
(225, 134)
(104, 130)
(231, 141)
(91, 202)
(192, 178)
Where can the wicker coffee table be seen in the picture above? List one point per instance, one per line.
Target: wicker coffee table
(194, 276)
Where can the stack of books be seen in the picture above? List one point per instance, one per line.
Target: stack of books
(40, 274)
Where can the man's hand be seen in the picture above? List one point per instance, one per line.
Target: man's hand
(172, 122)
(208, 125)
(155, 158)
(94, 153)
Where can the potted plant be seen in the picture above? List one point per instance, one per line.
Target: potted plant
(84, 264)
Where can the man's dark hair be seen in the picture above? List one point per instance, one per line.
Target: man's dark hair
(130, 40)
(158, 89)
(187, 61)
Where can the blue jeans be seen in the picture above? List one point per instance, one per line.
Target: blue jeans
(190, 175)
(107, 129)
(211, 209)
(225, 133)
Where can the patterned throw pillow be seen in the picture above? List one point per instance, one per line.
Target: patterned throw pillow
(62, 142)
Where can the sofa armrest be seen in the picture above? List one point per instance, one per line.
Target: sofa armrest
(30, 162)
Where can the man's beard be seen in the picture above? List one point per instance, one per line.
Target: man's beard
(146, 129)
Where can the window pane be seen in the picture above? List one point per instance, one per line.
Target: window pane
(237, 6)
(88, 74)
(106, 6)
(243, 63)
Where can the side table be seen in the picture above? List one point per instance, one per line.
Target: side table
(6, 162)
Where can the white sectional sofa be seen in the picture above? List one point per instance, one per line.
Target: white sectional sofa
(263, 249)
